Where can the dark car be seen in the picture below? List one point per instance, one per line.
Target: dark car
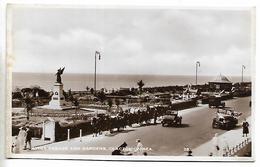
(171, 118)
(215, 102)
(226, 122)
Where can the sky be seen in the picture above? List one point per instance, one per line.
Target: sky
(132, 40)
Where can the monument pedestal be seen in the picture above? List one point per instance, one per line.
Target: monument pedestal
(57, 100)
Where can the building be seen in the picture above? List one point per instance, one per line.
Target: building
(220, 83)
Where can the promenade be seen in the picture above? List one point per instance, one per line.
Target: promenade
(196, 132)
(233, 139)
(230, 143)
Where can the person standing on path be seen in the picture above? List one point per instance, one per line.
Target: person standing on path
(28, 138)
(215, 145)
(225, 146)
(21, 138)
(16, 145)
(245, 126)
(139, 147)
(155, 116)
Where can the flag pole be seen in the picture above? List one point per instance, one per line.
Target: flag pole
(243, 67)
(197, 63)
(95, 77)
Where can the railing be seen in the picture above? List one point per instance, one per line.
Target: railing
(232, 151)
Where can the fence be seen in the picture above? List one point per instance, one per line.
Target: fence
(232, 151)
(184, 105)
(61, 132)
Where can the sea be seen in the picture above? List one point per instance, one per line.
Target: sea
(79, 82)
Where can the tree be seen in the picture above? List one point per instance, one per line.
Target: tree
(87, 88)
(117, 101)
(69, 95)
(76, 104)
(101, 96)
(140, 85)
(28, 105)
(17, 95)
(110, 104)
(92, 91)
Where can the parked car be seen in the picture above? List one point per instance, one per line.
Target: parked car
(215, 102)
(171, 118)
(224, 121)
(229, 111)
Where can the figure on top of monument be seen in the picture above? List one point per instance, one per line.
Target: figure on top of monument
(59, 73)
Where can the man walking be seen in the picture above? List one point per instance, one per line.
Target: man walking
(28, 138)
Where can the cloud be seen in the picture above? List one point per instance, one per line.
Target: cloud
(39, 51)
(137, 41)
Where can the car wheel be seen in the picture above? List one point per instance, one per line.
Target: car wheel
(214, 125)
(228, 127)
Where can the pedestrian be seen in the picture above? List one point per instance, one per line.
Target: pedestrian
(215, 145)
(139, 147)
(225, 146)
(94, 126)
(189, 153)
(28, 138)
(21, 138)
(155, 116)
(16, 145)
(245, 126)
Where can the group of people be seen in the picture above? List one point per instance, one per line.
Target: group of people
(23, 140)
(219, 146)
(125, 118)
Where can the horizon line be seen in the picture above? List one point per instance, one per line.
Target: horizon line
(134, 74)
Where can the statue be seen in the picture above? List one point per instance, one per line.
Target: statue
(59, 72)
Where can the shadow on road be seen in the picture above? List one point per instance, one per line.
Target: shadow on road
(183, 126)
(118, 132)
(179, 126)
(237, 127)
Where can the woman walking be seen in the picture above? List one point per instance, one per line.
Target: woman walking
(245, 126)
(21, 138)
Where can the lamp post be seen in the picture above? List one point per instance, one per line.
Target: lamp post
(197, 65)
(243, 67)
(95, 75)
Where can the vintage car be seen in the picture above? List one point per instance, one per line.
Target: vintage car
(224, 121)
(215, 102)
(229, 111)
(171, 118)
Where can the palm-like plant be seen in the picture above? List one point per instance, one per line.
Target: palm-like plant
(28, 105)
(140, 85)
(110, 104)
(87, 88)
(117, 102)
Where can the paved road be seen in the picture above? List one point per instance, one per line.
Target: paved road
(195, 131)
